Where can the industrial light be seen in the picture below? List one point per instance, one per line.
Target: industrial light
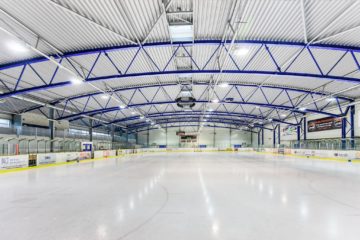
(257, 107)
(241, 51)
(210, 110)
(303, 109)
(215, 100)
(270, 119)
(105, 96)
(205, 120)
(141, 117)
(331, 99)
(133, 113)
(17, 47)
(181, 33)
(147, 120)
(122, 106)
(260, 122)
(76, 81)
(283, 115)
(152, 123)
(224, 85)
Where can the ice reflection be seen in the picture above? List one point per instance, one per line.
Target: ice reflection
(215, 228)
(101, 231)
(304, 210)
(209, 206)
(270, 191)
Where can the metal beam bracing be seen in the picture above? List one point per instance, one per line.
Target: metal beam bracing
(194, 113)
(227, 121)
(266, 52)
(190, 125)
(271, 94)
(257, 104)
(182, 120)
(237, 85)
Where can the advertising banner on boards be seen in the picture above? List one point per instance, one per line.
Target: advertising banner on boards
(17, 161)
(323, 124)
(46, 158)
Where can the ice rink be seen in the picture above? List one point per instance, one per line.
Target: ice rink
(184, 196)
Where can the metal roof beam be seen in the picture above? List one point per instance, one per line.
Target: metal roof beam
(215, 114)
(265, 105)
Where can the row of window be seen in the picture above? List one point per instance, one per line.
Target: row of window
(5, 123)
(84, 132)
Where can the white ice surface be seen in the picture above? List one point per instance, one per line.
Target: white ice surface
(184, 196)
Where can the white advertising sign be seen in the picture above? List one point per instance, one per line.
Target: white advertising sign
(46, 158)
(17, 161)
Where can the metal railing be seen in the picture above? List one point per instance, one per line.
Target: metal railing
(317, 144)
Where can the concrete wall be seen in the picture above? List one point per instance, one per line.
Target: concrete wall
(206, 137)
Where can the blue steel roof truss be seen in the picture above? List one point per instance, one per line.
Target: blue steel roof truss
(199, 68)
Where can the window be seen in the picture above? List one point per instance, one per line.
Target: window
(4, 123)
(78, 131)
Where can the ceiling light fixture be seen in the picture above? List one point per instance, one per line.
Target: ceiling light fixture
(215, 100)
(303, 109)
(17, 47)
(241, 51)
(105, 96)
(224, 85)
(122, 106)
(76, 81)
(331, 99)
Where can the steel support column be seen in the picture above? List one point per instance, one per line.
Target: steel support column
(136, 137)
(298, 135)
(90, 130)
(52, 128)
(343, 133)
(274, 137)
(251, 138)
(278, 129)
(112, 134)
(304, 128)
(352, 126)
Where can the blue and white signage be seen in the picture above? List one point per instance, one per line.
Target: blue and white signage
(86, 146)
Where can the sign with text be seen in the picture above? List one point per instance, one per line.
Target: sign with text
(323, 124)
(86, 146)
(17, 161)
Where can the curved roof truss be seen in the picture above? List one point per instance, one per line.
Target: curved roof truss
(265, 58)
